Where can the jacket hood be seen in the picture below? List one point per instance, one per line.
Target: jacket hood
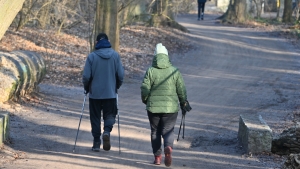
(161, 61)
(104, 53)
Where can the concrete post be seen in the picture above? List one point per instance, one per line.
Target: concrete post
(6, 124)
(1, 130)
(254, 134)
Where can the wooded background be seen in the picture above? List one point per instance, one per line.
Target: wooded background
(109, 15)
(102, 15)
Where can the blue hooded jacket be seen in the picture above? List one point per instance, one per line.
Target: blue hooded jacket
(103, 71)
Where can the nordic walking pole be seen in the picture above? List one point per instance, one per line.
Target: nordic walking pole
(180, 128)
(79, 121)
(182, 122)
(183, 126)
(119, 124)
(186, 108)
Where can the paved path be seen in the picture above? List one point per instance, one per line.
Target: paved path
(233, 71)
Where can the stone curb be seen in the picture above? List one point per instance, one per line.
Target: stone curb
(21, 72)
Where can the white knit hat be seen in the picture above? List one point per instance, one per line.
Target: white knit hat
(160, 49)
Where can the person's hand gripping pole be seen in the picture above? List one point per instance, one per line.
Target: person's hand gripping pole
(184, 108)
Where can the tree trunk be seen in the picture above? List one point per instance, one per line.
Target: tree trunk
(297, 9)
(287, 12)
(45, 15)
(106, 21)
(8, 11)
(259, 7)
(163, 16)
(236, 12)
(127, 11)
(25, 12)
(123, 15)
(160, 13)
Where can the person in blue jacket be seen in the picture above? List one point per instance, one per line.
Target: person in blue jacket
(201, 6)
(102, 75)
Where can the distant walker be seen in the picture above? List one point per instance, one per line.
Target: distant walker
(201, 6)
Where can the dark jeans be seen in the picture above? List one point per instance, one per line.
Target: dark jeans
(109, 109)
(201, 5)
(162, 125)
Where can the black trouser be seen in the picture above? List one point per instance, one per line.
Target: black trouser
(162, 124)
(201, 5)
(109, 109)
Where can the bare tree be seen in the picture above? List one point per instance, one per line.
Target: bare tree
(106, 21)
(258, 7)
(30, 11)
(44, 17)
(126, 11)
(60, 14)
(297, 7)
(236, 12)
(287, 12)
(162, 15)
(182, 6)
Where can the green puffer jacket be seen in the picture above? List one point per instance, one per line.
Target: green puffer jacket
(163, 86)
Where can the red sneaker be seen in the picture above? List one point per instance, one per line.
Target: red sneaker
(168, 157)
(157, 160)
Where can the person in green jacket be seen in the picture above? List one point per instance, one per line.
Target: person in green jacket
(162, 88)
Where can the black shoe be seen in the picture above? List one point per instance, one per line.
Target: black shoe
(96, 146)
(106, 141)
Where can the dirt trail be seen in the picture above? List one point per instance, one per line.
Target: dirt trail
(233, 71)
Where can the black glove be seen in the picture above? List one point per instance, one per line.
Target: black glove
(185, 107)
(144, 101)
(86, 89)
